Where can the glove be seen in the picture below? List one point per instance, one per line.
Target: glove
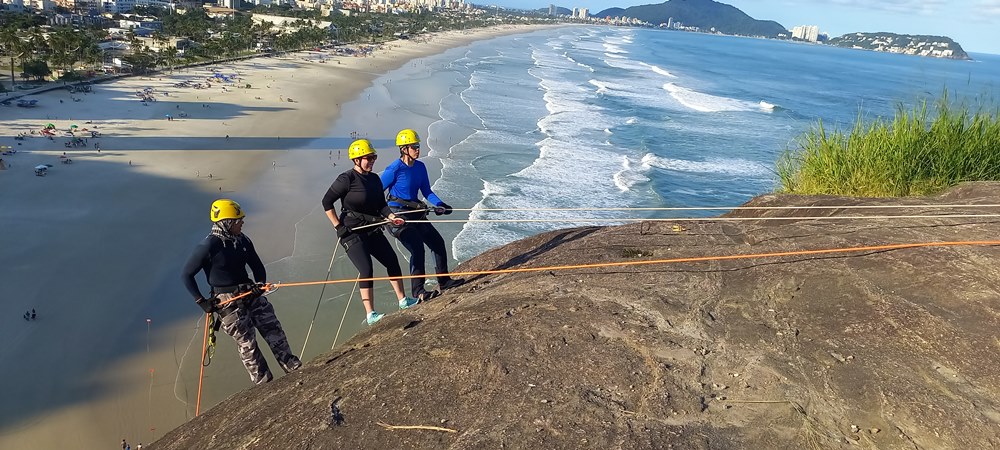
(343, 230)
(444, 208)
(258, 289)
(397, 221)
(209, 305)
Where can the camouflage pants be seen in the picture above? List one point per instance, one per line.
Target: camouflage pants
(241, 320)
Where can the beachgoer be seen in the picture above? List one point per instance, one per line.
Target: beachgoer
(32, 314)
(224, 256)
(124, 444)
(361, 205)
(406, 179)
(138, 447)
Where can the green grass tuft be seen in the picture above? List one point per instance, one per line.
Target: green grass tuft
(918, 152)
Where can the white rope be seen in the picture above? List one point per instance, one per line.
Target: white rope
(320, 299)
(346, 307)
(709, 219)
(733, 208)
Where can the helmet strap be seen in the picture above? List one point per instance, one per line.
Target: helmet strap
(405, 156)
(357, 165)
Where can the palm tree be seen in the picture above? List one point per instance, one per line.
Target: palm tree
(11, 44)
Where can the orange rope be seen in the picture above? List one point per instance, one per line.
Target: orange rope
(655, 261)
(201, 376)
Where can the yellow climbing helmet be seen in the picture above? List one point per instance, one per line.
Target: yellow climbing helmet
(225, 208)
(407, 137)
(359, 148)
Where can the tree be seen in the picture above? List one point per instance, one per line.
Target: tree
(37, 68)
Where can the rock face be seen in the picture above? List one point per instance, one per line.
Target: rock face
(886, 349)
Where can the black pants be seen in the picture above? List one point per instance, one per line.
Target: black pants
(414, 236)
(360, 249)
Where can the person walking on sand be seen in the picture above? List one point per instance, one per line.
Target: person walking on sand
(361, 207)
(406, 179)
(224, 256)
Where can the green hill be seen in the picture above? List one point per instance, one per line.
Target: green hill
(704, 14)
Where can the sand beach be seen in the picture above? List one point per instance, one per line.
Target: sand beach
(95, 246)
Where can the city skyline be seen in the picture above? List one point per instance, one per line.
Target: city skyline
(971, 23)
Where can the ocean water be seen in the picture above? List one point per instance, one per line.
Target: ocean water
(599, 117)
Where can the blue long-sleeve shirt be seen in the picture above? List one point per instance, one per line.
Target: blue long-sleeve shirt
(404, 182)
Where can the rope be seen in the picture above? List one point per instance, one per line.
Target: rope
(669, 261)
(346, 307)
(320, 299)
(709, 219)
(737, 208)
(201, 375)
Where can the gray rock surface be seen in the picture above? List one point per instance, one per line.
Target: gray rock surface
(882, 349)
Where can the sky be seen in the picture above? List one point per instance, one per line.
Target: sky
(974, 24)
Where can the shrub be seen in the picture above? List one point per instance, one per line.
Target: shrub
(918, 152)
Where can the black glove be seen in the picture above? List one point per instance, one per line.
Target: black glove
(343, 230)
(210, 305)
(257, 290)
(442, 208)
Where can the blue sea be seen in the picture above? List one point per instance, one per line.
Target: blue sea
(620, 117)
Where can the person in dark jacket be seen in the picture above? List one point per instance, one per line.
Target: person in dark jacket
(406, 179)
(224, 256)
(362, 211)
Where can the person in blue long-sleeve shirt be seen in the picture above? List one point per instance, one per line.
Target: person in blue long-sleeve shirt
(406, 179)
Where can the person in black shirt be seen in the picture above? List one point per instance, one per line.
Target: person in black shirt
(224, 256)
(362, 208)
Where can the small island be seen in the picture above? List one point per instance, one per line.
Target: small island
(920, 45)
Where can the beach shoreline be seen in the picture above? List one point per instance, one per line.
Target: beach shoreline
(96, 245)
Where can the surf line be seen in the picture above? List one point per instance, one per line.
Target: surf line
(827, 251)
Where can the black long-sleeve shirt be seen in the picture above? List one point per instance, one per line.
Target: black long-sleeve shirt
(224, 264)
(362, 193)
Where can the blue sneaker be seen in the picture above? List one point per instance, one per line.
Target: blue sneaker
(373, 317)
(408, 302)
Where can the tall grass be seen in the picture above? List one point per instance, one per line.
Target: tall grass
(918, 152)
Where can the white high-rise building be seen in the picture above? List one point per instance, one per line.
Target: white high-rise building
(583, 13)
(806, 33)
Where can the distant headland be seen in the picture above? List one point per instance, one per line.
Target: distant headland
(920, 45)
(709, 16)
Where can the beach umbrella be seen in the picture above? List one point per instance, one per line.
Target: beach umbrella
(50, 126)
(41, 167)
(73, 126)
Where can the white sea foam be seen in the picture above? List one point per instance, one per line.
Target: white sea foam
(629, 176)
(613, 48)
(658, 70)
(632, 120)
(766, 106)
(601, 86)
(700, 101)
(728, 166)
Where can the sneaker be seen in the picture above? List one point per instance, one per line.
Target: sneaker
(408, 302)
(451, 283)
(292, 364)
(373, 317)
(427, 295)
